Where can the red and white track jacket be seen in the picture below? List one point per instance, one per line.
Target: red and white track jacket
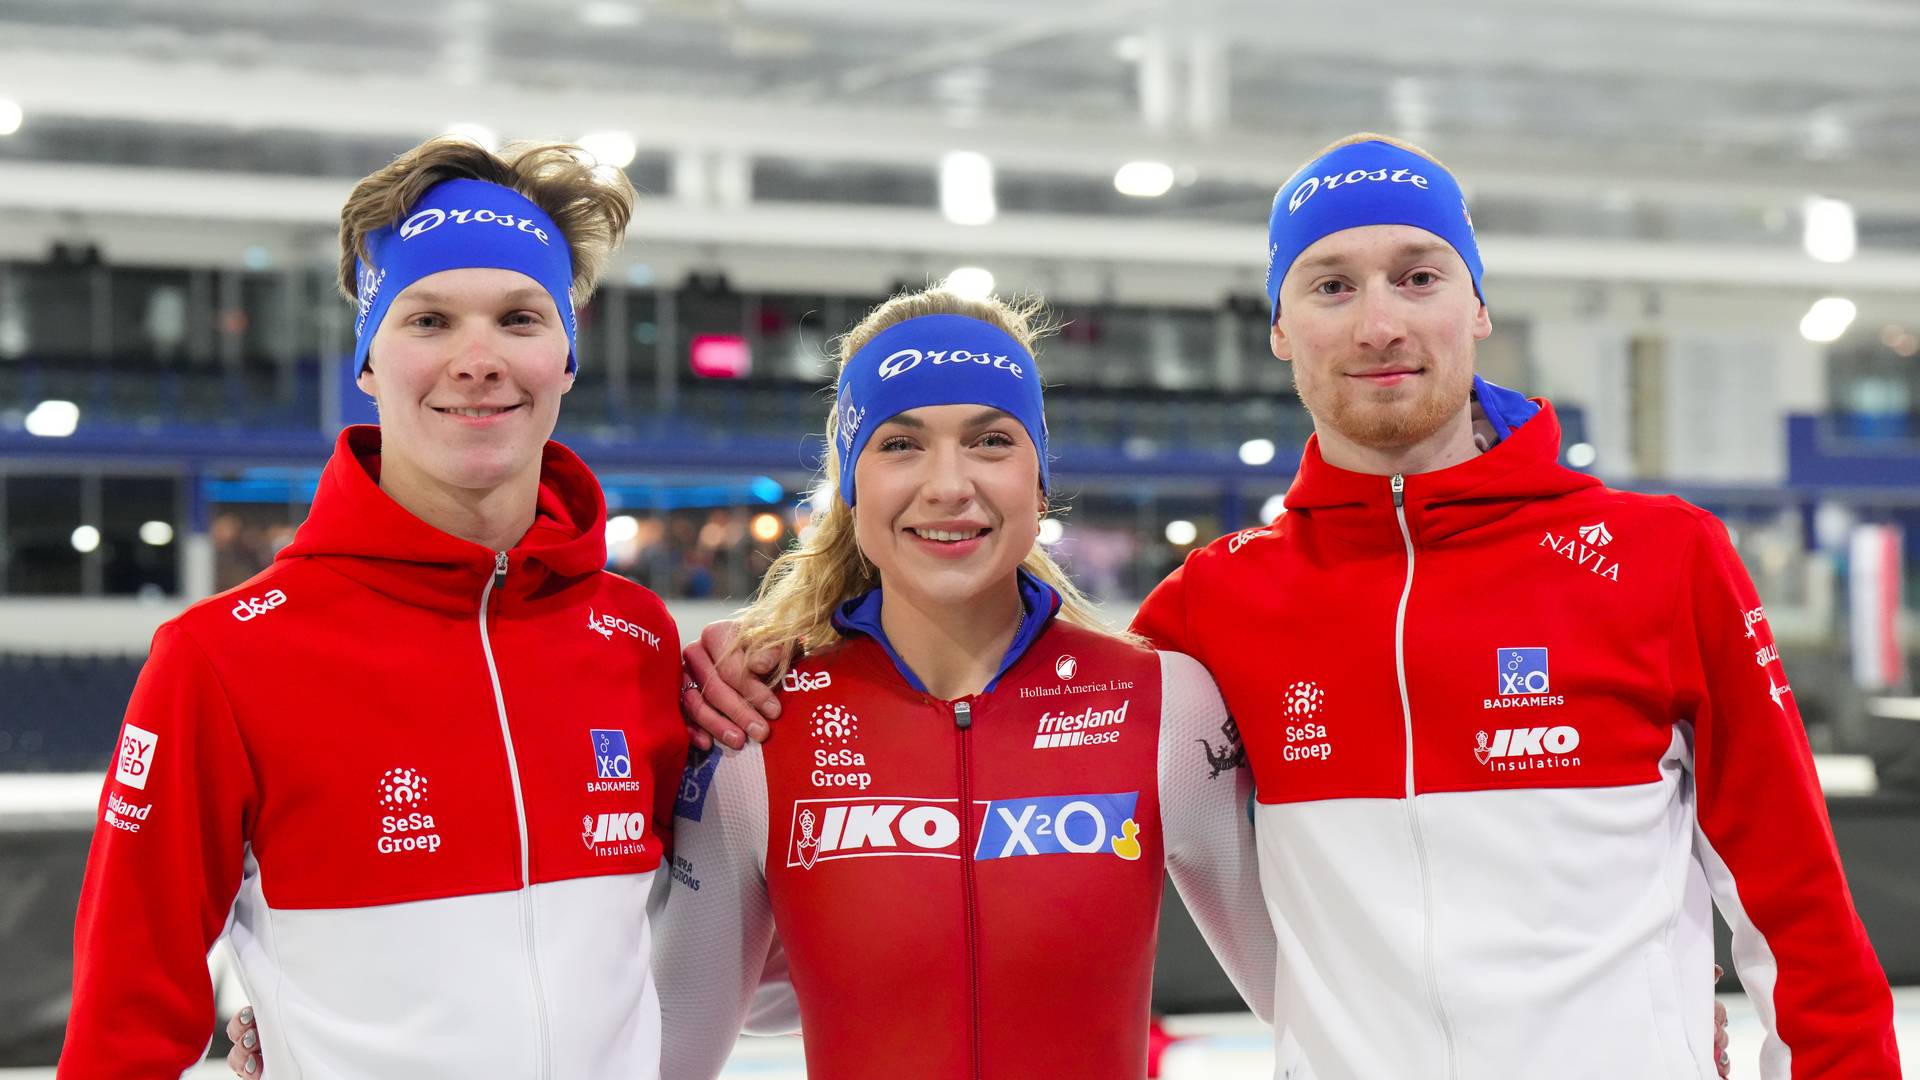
(1509, 730)
(420, 786)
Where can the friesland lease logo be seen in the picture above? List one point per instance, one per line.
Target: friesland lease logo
(133, 761)
(610, 758)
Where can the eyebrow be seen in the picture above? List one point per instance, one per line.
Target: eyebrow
(1404, 252)
(977, 420)
(518, 296)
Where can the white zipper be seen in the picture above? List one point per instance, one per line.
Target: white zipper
(528, 933)
(1413, 815)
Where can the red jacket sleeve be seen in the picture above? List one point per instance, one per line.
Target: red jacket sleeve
(1162, 618)
(161, 875)
(1764, 839)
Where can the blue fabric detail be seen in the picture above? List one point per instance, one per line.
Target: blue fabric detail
(459, 224)
(935, 360)
(1505, 409)
(861, 615)
(1369, 183)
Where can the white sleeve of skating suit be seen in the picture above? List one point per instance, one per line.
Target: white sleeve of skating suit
(716, 961)
(1205, 786)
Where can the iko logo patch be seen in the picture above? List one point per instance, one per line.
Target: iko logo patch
(695, 782)
(614, 834)
(610, 758)
(133, 762)
(1519, 749)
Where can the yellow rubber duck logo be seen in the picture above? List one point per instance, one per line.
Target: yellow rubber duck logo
(1127, 844)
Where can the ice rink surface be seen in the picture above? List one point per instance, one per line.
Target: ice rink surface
(1216, 1047)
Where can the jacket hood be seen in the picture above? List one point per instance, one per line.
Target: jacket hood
(378, 541)
(1521, 467)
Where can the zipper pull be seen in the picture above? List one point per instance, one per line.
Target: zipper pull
(963, 715)
(499, 569)
(1399, 490)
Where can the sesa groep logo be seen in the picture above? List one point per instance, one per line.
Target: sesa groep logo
(901, 361)
(1311, 186)
(824, 830)
(432, 218)
(406, 825)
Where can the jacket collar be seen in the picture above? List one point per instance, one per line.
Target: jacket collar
(1523, 466)
(366, 535)
(861, 615)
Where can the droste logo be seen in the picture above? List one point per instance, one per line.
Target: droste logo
(432, 218)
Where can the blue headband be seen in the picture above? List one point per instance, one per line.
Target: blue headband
(935, 360)
(459, 224)
(1369, 183)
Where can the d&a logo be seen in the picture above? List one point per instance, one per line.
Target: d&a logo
(133, 761)
(614, 834)
(802, 682)
(1066, 666)
(1241, 538)
(255, 606)
(827, 829)
(1518, 749)
(407, 826)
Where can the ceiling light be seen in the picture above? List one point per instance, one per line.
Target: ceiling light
(10, 116)
(970, 283)
(1182, 532)
(966, 188)
(614, 148)
(766, 528)
(622, 529)
(1273, 507)
(1143, 179)
(1829, 230)
(1051, 531)
(1827, 319)
(156, 533)
(85, 539)
(607, 13)
(1256, 452)
(1582, 455)
(53, 419)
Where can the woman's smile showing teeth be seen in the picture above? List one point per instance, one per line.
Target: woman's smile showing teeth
(947, 535)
